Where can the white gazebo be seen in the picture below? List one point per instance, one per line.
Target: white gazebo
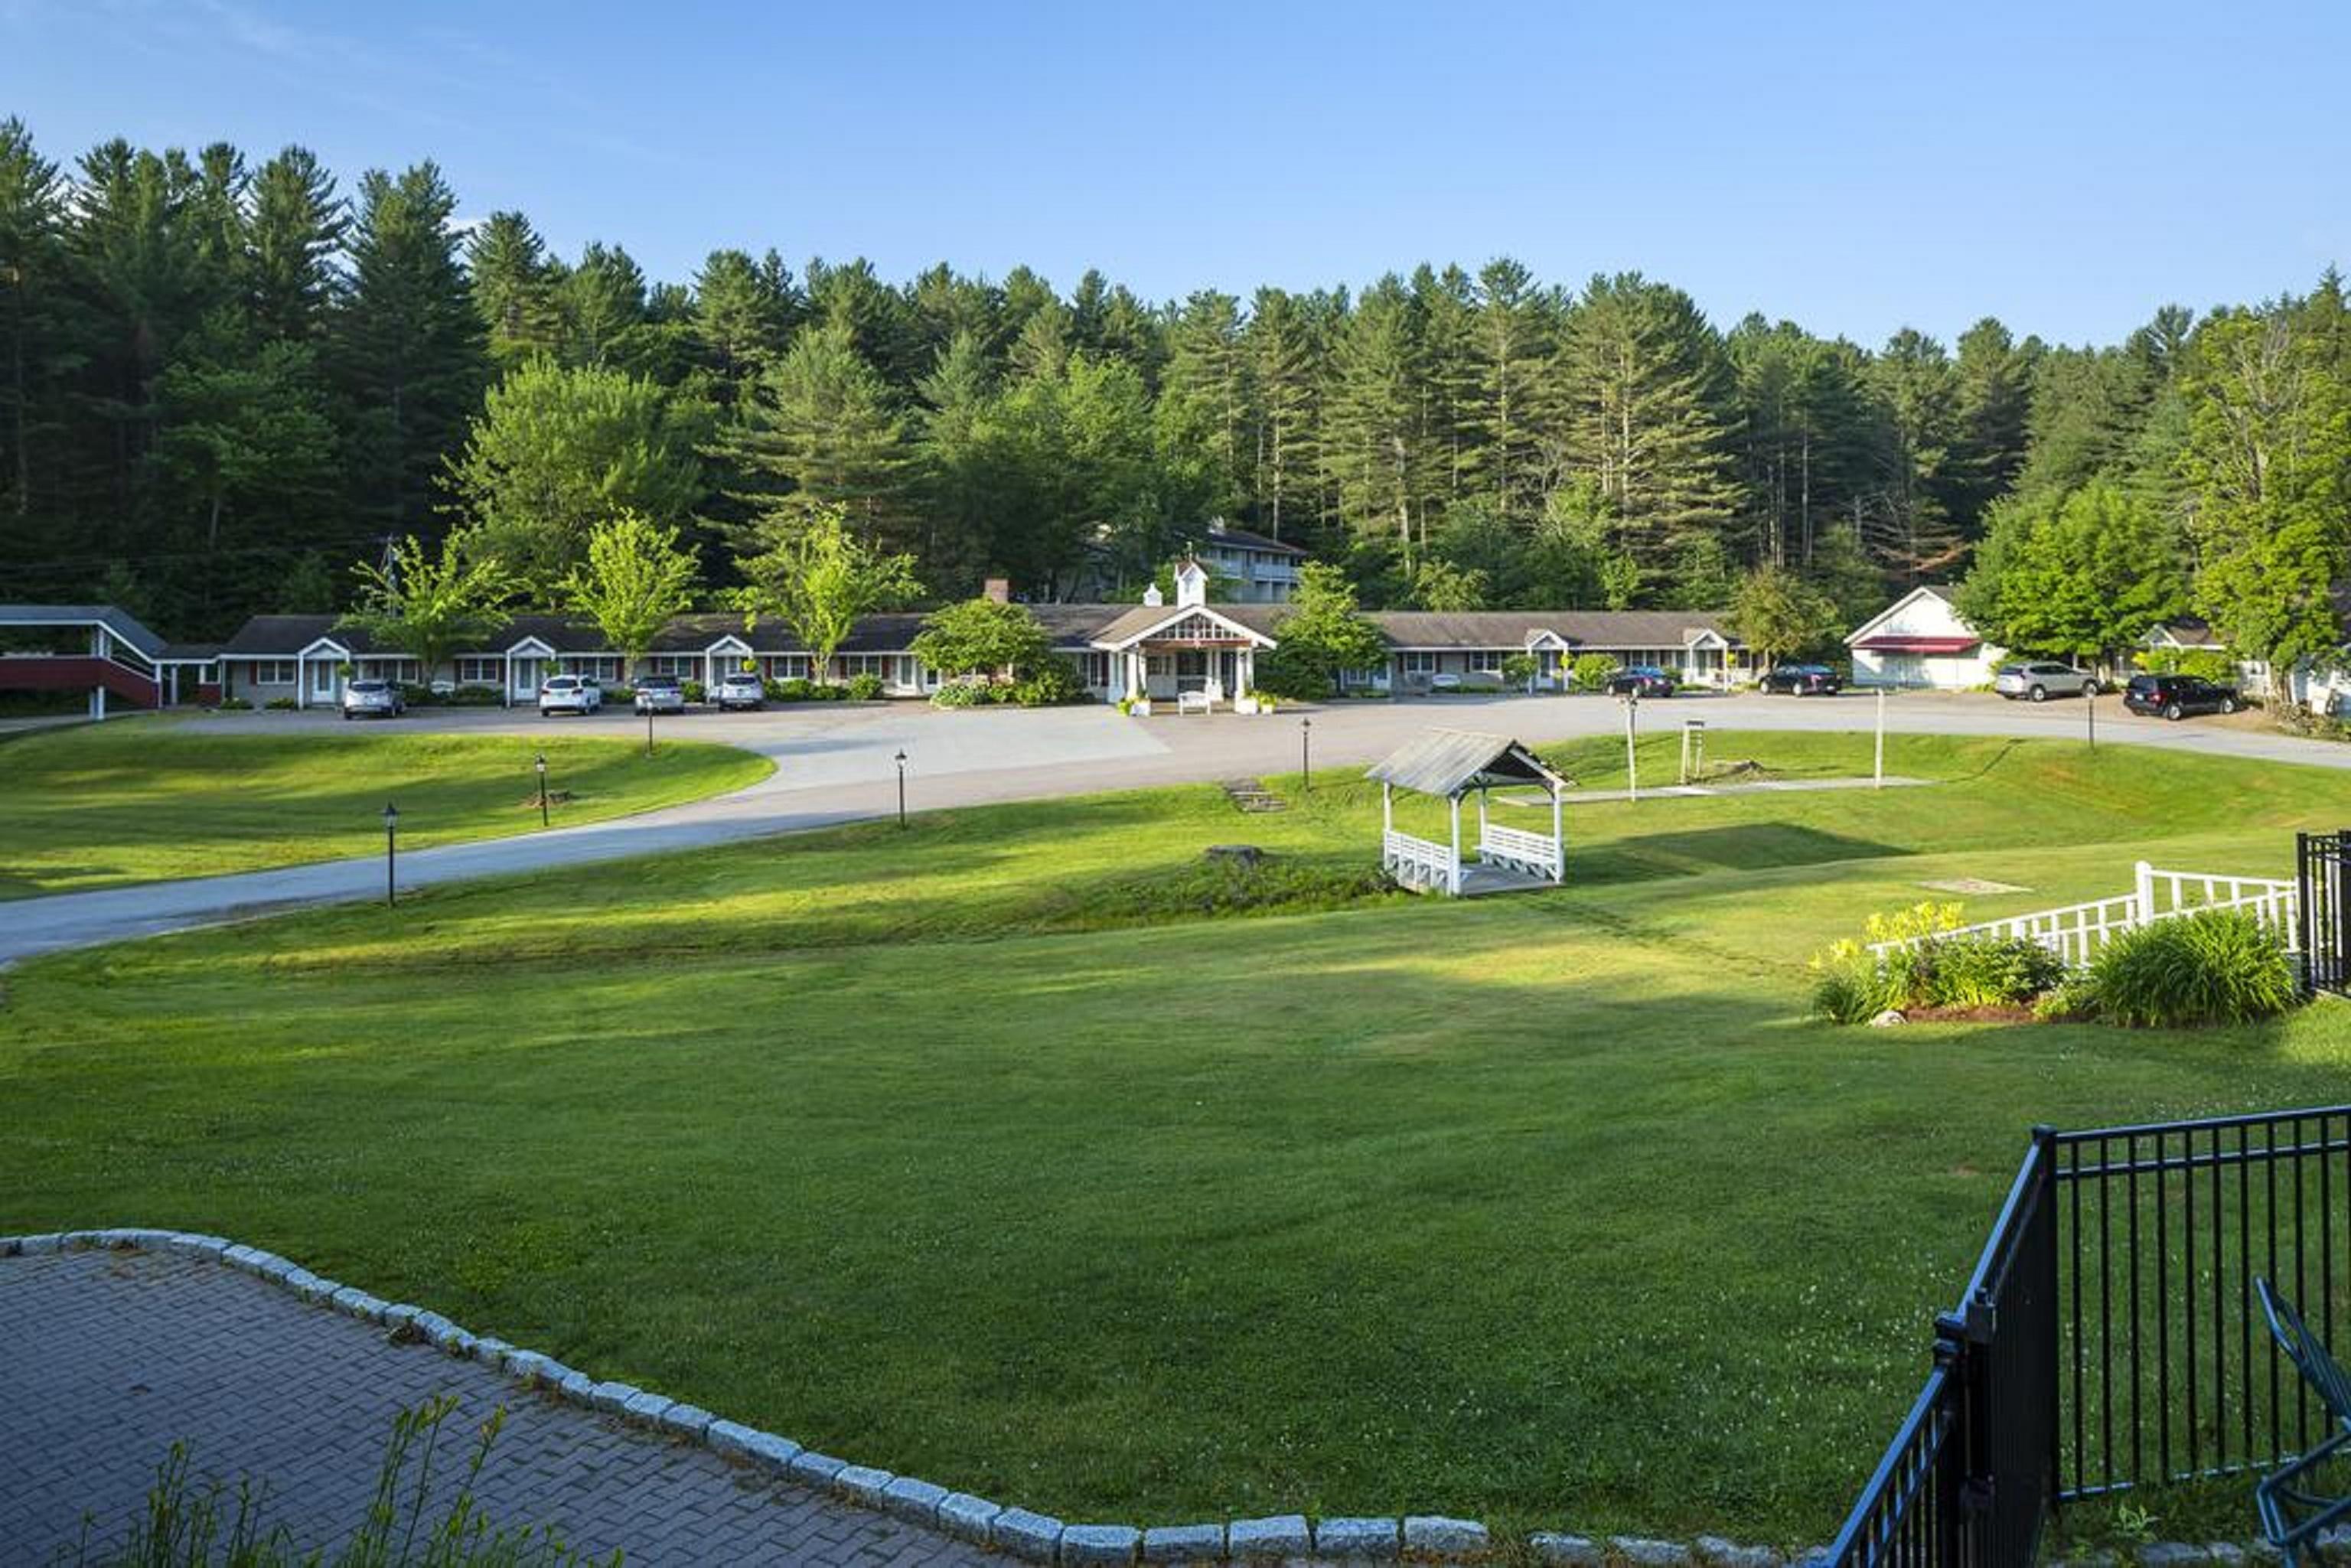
(1451, 763)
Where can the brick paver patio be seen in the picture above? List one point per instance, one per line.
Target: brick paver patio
(110, 1356)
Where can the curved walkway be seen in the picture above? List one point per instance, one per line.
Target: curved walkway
(115, 1356)
(837, 766)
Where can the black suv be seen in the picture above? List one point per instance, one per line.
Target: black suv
(2177, 696)
(1641, 681)
(1802, 680)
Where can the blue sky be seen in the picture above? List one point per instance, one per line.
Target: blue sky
(2067, 167)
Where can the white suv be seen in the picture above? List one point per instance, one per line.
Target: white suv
(569, 694)
(740, 691)
(2039, 683)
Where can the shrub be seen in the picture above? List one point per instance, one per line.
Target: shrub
(1591, 670)
(234, 704)
(1051, 684)
(865, 687)
(1989, 971)
(1519, 669)
(1851, 984)
(2220, 966)
(794, 689)
(621, 694)
(2211, 663)
(695, 692)
(278, 705)
(960, 694)
(416, 695)
(474, 696)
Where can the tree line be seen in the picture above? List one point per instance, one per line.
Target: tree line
(224, 383)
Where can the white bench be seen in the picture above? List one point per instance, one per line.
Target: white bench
(1192, 702)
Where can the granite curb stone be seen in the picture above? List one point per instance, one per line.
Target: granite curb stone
(1563, 1550)
(909, 1498)
(817, 1469)
(1364, 1537)
(967, 1518)
(1434, 1535)
(1097, 1543)
(862, 1483)
(1035, 1536)
(1284, 1535)
(1717, 1552)
(1183, 1544)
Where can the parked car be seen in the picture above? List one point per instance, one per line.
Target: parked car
(1802, 681)
(741, 690)
(569, 694)
(2177, 696)
(659, 693)
(2039, 683)
(1642, 681)
(372, 699)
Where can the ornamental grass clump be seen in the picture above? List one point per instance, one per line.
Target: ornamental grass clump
(1924, 965)
(2220, 966)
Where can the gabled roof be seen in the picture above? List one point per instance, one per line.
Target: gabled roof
(1576, 628)
(1255, 622)
(2181, 631)
(121, 623)
(1924, 591)
(1225, 533)
(1449, 761)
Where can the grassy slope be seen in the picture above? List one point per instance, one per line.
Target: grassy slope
(100, 806)
(1544, 1209)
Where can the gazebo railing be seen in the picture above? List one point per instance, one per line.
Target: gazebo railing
(1418, 863)
(1537, 855)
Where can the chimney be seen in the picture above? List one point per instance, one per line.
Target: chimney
(1153, 597)
(997, 589)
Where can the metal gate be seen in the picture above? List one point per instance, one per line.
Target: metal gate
(2326, 916)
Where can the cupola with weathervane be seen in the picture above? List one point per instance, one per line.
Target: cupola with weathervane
(1191, 583)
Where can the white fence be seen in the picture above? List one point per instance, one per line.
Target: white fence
(2076, 932)
(1537, 855)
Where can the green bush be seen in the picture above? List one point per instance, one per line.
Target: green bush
(695, 692)
(2222, 966)
(1989, 971)
(1297, 676)
(865, 687)
(278, 705)
(474, 696)
(417, 694)
(1053, 683)
(1591, 670)
(234, 704)
(961, 693)
(2210, 664)
(1520, 670)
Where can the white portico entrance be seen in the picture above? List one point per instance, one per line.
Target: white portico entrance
(1183, 653)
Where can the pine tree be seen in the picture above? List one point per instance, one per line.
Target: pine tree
(603, 304)
(295, 232)
(1513, 342)
(1647, 394)
(38, 329)
(1203, 393)
(1284, 371)
(822, 423)
(1993, 408)
(514, 288)
(1906, 520)
(1371, 448)
(743, 312)
(1451, 398)
(408, 346)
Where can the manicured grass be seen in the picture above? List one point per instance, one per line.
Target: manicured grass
(974, 1152)
(146, 801)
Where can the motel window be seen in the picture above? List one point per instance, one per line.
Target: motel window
(596, 666)
(683, 665)
(853, 665)
(1096, 669)
(1419, 662)
(478, 671)
(787, 666)
(1485, 661)
(273, 672)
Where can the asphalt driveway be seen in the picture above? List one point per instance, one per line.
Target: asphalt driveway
(837, 763)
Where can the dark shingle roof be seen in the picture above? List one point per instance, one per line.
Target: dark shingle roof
(1579, 628)
(121, 622)
(1248, 540)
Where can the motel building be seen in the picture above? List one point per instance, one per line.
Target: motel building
(1188, 653)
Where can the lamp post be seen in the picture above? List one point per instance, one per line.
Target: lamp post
(540, 763)
(1632, 770)
(1306, 752)
(1877, 767)
(901, 791)
(391, 852)
(2090, 711)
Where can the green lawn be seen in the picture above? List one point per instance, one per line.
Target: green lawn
(147, 800)
(975, 1151)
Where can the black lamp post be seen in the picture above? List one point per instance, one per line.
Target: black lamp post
(902, 790)
(1306, 751)
(540, 762)
(391, 852)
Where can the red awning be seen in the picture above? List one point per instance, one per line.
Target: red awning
(1917, 645)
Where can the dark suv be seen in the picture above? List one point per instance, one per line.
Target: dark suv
(1642, 681)
(1801, 681)
(2177, 696)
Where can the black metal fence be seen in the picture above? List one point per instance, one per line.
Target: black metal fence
(2324, 909)
(2109, 1337)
